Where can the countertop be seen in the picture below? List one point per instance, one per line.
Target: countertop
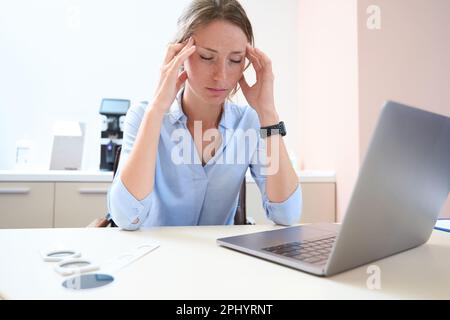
(105, 176)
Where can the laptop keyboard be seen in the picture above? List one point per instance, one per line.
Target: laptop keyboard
(311, 251)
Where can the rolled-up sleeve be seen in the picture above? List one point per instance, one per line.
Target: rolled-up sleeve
(125, 210)
(285, 213)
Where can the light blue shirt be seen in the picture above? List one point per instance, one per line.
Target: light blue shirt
(185, 192)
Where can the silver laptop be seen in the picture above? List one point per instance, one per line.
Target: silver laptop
(401, 188)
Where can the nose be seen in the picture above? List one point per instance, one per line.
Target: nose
(220, 71)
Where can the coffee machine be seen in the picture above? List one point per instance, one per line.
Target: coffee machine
(113, 113)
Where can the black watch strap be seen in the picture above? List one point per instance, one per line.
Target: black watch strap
(273, 130)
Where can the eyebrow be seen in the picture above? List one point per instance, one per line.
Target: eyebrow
(215, 51)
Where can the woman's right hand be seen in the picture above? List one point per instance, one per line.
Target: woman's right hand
(171, 80)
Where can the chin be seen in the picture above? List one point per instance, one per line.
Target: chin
(213, 98)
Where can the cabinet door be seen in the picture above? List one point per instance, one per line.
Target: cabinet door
(78, 204)
(26, 205)
(318, 203)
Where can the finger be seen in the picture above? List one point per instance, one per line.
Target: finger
(257, 66)
(266, 65)
(267, 71)
(182, 56)
(256, 63)
(190, 47)
(175, 49)
(172, 51)
(244, 85)
(181, 80)
(266, 62)
(253, 58)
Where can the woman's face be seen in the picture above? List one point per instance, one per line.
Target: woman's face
(218, 63)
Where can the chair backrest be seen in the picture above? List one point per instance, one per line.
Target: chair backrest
(116, 160)
(240, 218)
(115, 167)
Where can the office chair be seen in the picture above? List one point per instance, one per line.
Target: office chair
(240, 218)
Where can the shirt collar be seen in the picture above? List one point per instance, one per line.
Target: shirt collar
(176, 113)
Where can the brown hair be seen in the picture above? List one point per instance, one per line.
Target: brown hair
(201, 12)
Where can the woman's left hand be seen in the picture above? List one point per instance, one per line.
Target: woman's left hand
(260, 95)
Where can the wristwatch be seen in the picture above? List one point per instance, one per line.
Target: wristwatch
(272, 130)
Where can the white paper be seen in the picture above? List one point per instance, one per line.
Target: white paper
(443, 224)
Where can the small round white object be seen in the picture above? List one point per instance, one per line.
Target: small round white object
(59, 255)
(68, 267)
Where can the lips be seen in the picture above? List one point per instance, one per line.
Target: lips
(216, 89)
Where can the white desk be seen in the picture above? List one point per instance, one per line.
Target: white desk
(189, 265)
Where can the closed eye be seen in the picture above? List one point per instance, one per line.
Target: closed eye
(209, 59)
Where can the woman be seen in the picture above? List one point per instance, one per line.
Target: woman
(160, 180)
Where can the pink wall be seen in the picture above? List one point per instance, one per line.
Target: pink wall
(407, 60)
(328, 91)
(347, 71)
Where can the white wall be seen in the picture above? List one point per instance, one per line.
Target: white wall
(58, 59)
(275, 24)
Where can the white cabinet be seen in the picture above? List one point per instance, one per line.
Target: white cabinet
(318, 203)
(75, 199)
(26, 205)
(47, 205)
(78, 204)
